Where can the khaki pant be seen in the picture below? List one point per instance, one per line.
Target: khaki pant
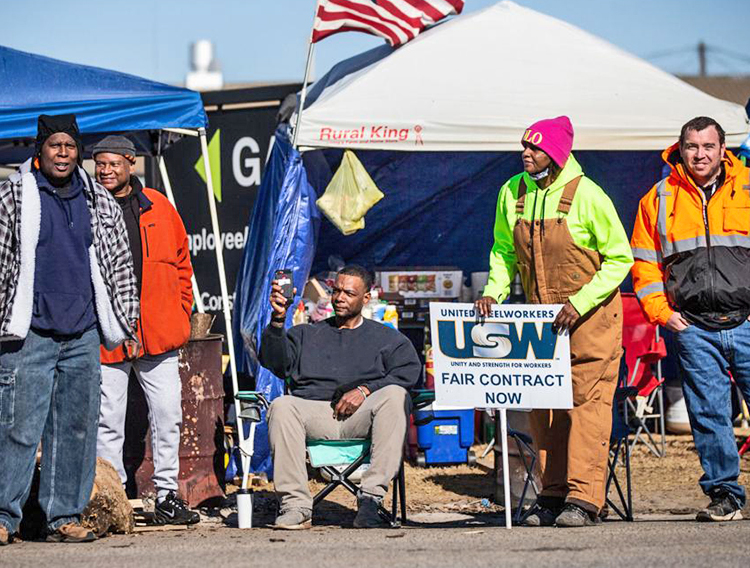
(383, 418)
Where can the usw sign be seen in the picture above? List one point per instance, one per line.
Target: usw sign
(512, 359)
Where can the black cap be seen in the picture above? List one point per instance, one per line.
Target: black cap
(47, 125)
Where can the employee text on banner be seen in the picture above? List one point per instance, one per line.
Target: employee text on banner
(511, 359)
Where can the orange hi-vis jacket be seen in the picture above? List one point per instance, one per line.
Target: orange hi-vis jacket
(692, 254)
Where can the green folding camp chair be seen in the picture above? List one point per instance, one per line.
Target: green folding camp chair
(339, 459)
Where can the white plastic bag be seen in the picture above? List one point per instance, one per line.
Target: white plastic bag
(349, 196)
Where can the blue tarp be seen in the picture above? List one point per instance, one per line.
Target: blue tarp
(102, 100)
(282, 234)
(439, 207)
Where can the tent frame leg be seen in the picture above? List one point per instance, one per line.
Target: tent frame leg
(223, 283)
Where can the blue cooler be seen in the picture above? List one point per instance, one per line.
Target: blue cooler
(446, 438)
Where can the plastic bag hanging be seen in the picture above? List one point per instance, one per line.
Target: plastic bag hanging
(349, 196)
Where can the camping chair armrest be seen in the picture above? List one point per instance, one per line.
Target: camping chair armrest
(252, 396)
(421, 398)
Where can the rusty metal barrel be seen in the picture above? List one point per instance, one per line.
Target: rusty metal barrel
(202, 432)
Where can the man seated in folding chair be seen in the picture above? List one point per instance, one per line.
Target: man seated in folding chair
(369, 365)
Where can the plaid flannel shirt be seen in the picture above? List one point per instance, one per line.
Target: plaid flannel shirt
(110, 242)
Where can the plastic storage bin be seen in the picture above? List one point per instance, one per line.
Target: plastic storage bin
(446, 438)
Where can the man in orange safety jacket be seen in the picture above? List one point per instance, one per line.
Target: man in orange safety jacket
(691, 245)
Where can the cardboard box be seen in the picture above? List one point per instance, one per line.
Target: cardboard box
(315, 291)
(421, 282)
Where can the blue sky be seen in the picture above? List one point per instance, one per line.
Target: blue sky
(266, 40)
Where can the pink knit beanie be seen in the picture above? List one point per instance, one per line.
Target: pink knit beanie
(554, 136)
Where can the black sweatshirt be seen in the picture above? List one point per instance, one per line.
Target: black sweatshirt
(131, 213)
(319, 357)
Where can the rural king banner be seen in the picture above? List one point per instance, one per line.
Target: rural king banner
(370, 134)
(511, 359)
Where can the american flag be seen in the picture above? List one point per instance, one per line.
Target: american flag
(397, 21)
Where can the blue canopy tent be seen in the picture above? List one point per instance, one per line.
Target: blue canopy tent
(105, 102)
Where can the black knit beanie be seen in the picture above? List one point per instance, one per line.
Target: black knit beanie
(48, 125)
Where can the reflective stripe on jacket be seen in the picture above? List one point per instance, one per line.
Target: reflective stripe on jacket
(692, 254)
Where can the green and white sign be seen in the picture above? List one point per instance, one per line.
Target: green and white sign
(511, 359)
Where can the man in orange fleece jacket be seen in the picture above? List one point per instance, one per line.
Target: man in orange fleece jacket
(161, 259)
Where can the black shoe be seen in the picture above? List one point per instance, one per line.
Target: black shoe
(368, 513)
(723, 507)
(540, 516)
(173, 511)
(574, 516)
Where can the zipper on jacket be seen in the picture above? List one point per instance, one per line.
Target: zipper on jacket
(143, 333)
(711, 269)
(145, 238)
(140, 318)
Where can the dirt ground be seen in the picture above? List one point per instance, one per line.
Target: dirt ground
(667, 485)
(453, 522)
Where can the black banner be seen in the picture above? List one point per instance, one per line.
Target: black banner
(238, 143)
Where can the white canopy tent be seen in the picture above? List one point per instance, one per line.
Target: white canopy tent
(475, 82)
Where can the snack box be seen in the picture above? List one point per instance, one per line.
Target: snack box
(417, 282)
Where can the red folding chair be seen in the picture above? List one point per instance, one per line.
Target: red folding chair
(644, 350)
(745, 446)
(744, 412)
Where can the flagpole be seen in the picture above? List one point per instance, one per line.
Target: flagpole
(303, 96)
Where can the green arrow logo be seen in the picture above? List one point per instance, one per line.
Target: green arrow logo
(214, 158)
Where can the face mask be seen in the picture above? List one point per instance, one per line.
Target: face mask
(541, 175)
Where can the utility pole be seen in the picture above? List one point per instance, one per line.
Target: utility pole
(702, 59)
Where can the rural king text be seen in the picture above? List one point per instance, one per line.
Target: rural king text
(372, 133)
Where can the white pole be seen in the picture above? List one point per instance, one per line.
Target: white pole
(303, 96)
(247, 455)
(506, 473)
(222, 278)
(170, 196)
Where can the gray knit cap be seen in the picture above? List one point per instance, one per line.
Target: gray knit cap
(114, 144)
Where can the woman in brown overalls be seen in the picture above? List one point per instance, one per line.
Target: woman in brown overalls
(561, 232)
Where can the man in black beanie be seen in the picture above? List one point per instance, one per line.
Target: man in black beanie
(66, 284)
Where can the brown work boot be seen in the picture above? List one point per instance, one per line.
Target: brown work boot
(4, 536)
(71, 533)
